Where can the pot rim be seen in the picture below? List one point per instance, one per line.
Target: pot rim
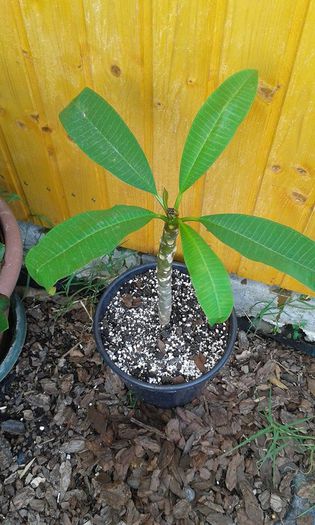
(16, 343)
(110, 293)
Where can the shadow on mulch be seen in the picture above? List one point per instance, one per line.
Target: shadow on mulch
(76, 448)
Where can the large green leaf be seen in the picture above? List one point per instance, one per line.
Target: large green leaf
(268, 242)
(215, 124)
(100, 132)
(208, 276)
(77, 241)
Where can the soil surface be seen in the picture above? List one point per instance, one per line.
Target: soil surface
(77, 449)
(136, 343)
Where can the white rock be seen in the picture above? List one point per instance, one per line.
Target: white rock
(37, 481)
(276, 503)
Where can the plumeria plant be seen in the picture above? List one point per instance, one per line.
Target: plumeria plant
(99, 131)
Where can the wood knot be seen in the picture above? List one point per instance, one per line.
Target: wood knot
(267, 92)
(301, 171)
(299, 198)
(46, 129)
(115, 70)
(276, 168)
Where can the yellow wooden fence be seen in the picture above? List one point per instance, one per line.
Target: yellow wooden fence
(156, 61)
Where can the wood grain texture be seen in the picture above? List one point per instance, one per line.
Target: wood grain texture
(287, 192)
(21, 102)
(9, 180)
(115, 32)
(269, 42)
(156, 61)
(185, 38)
(62, 69)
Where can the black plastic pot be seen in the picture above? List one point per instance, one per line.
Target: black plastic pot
(165, 396)
(13, 339)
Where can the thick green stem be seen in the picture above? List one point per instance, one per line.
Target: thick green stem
(164, 267)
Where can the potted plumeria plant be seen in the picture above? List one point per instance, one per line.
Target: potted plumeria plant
(166, 331)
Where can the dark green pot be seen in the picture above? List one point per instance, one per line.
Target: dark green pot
(14, 338)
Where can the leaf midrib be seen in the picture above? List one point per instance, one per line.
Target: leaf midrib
(82, 240)
(213, 127)
(85, 116)
(261, 245)
(210, 276)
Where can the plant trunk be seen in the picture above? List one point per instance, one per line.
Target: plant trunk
(164, 269)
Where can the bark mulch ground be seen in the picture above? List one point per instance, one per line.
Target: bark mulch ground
(76, 448)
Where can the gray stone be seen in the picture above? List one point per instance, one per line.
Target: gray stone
(189, 494)
(11, 426)
(65, 477)
(75, 445)
(5, 453)
(146, 258)
(132, 260)
(23, 498)
(30, 234)
(276, 503)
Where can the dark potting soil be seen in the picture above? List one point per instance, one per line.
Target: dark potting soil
(136, 343)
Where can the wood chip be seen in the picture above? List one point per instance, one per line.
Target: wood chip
(252, 507)
(200, 361)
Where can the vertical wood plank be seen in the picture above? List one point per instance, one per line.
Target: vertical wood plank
(28, 143)
(186, 38)
(287, 192)
(116, 38)
(9, 180)
(264, 37)
(61, 65)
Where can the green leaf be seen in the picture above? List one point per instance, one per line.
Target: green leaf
(165, 198)
(208, 276)
(4, 324)
(215, 124)
(2, 250)
(100, 132)
(79, 240)
(267, 242)
(4, 306)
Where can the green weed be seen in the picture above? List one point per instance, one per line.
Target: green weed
(270, 309)
(279, 436)
(74, 289)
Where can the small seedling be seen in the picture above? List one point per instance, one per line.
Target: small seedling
(8, 196)
(132, 400)
(297, 330)
(100, 132)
